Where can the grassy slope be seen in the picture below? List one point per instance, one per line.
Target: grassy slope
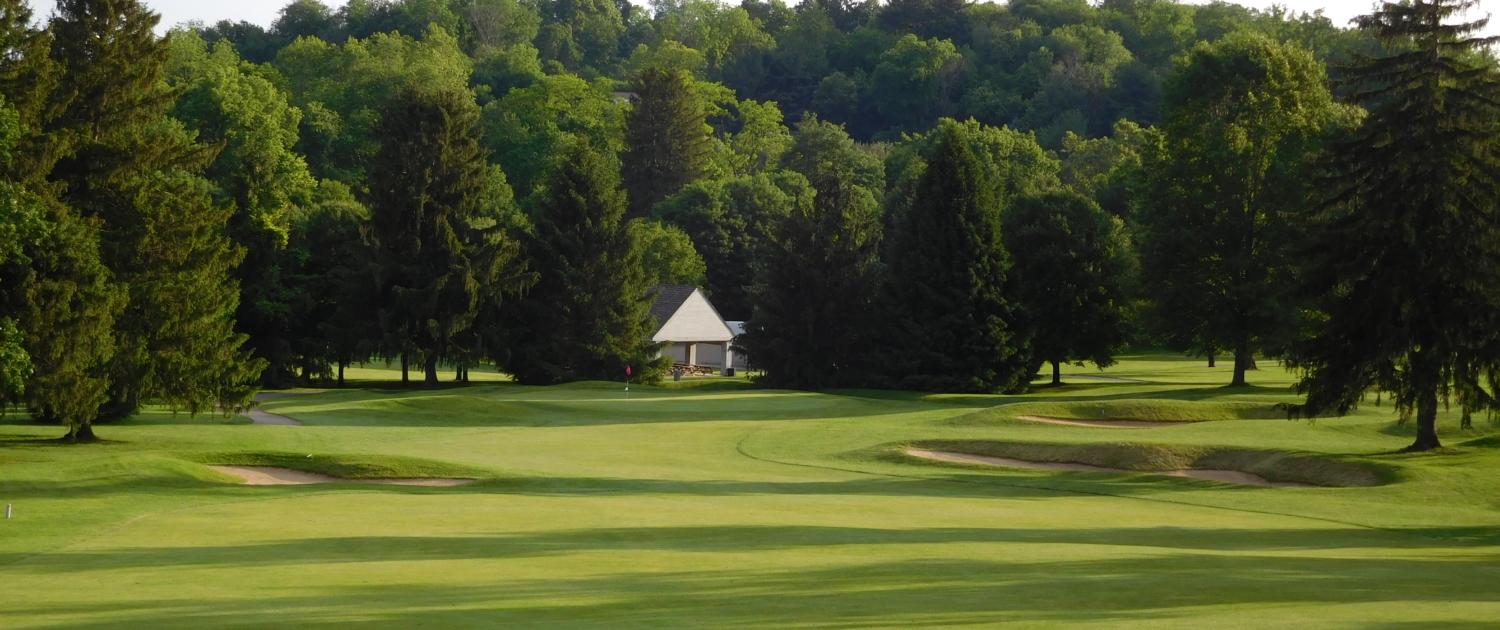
(742, 509)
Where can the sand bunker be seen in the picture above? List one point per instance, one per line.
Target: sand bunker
(1112, 424)
(273, 476)
(1228, 476)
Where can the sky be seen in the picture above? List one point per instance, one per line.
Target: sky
(263, 12)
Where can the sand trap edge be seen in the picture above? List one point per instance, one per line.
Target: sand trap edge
(1227, 476)
(1108, 424)
(277, 476)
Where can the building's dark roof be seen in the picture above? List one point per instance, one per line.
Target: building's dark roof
(669, 298)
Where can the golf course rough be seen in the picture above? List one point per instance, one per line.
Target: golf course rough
(722, 507)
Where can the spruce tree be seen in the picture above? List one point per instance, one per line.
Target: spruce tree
(810, 325)
(438, 252)
(1407, 256)
(667, 144)
(589, 314)
(953, 330)
(1071, 266)
(128, 166)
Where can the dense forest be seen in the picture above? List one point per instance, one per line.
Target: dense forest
(922, 194)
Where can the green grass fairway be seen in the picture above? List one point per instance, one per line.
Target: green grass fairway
(714, 506)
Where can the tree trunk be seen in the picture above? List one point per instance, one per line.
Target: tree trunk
(1243, 360)
(1427, 410)
(405, 376)
(1056, 374)
(1426, 375)
(430, 368)
(82, 433)
(466, 375)
(341, 374)
(1210, 358)
(1468, 419)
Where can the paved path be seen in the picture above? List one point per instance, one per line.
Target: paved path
(257, 416)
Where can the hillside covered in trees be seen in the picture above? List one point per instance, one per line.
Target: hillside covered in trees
(920, 194)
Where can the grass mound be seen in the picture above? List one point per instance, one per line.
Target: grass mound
(1151, 410)
(348, 466)
(1273, 465)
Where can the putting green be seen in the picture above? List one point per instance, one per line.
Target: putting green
(719, 508)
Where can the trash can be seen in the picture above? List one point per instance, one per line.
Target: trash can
(677, 375)
(728, 371)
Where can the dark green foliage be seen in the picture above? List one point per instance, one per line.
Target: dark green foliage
(666, 139)
(814, 294)
(951, 327)
(67, 303)
(162, 236)
(732, 223)
(589, 315)
(1220, 213)
(1407, 257)
(1072, 265)
(436, 248)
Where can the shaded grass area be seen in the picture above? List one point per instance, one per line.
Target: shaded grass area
(1303, 468)
(711, 506)
(346, 466)
(1154, 410)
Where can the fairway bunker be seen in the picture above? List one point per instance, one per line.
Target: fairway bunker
(1109, 424)
(1227, 476)
(276, 476)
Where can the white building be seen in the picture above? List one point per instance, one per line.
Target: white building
(699, 336)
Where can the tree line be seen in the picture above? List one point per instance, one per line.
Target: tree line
(193, 216)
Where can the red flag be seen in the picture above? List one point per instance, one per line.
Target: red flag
(627, 370)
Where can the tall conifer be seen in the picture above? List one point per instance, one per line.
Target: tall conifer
(1408, 255)
(589, 314)
(954, 329)
(438, 251)
(666, 139)
(812, 299)
(137, 172)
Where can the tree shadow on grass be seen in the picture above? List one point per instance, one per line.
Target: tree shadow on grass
(831, 578)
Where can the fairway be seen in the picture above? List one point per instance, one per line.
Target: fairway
(726, 507)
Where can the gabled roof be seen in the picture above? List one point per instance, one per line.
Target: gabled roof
(669, 298)
(683, 314)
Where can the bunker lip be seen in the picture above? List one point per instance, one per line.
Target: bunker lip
(1111, 424)
(1227, 476)
(276, 476)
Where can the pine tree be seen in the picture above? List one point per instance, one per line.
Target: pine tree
(589, 314)
(1408, 248)
(953, 328)
(813, 297)
(135, 171)
(438, 251)
(666, 139)
(1072, 263)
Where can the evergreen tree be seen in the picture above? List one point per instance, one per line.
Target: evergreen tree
(589, 314)
(1219, 214)
(953, 329)
(62, 299)
(667, 143)
(812, 299)
(259, 174)
(433, 236)
(135, 171)
(1408, 251)
(1072, 263)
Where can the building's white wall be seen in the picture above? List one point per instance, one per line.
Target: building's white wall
(694, 321)
(711, 354)
(678, 352)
